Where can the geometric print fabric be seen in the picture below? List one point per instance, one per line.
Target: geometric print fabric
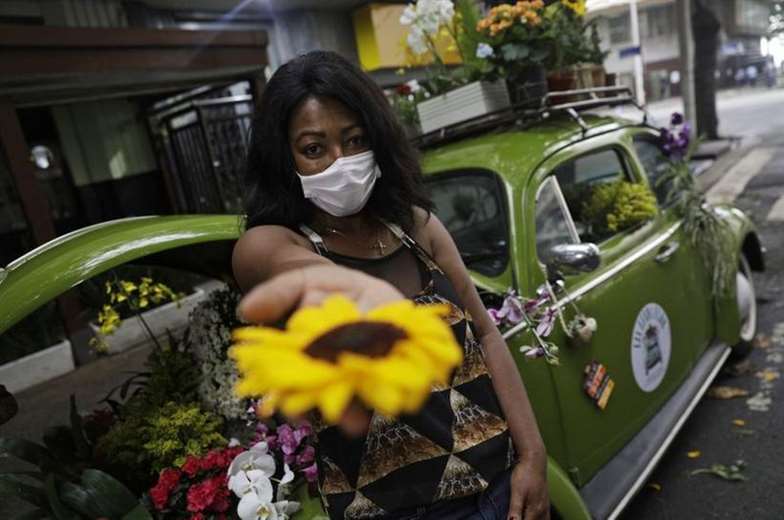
(452, 448)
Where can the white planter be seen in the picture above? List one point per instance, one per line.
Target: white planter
(469, 101)
(172, 316)
(37, 368)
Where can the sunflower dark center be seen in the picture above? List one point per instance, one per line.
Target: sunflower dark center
(368, 338)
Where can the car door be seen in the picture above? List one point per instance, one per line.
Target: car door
(653, 164)
(635, 295)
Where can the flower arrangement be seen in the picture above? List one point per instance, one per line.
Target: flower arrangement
(540, 314)
(128, 298)
(537, 315)
(702, 223)
(533, 34)
(616, 206)
(198, 486)
(389, 358)
(209, 339)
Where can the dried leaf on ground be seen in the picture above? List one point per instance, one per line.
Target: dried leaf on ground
(739, 422)
(738, 369)
(768, 374)
(693, 454)
(731, 472)
(761, 341)
(759, 403)
(726, 392)
(654, 486)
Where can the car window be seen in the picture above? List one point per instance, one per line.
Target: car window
(580, 181)
(470, 204)
(553, 224)
(656, 165)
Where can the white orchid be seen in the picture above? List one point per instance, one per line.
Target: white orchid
(257, 504)
(256, 458)
(424, 19)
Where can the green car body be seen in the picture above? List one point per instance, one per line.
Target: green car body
(582, 439)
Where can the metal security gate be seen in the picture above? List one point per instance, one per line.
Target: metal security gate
(203, 145)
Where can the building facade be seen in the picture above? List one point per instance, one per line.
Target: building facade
(743, 24)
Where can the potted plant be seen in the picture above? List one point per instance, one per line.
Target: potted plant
(517, 45)
(459, 93)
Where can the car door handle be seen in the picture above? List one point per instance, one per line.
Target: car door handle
(667, 251)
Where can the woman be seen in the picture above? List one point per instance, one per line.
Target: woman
(335, 203)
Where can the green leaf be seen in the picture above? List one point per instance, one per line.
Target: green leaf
(35, 514)
(83, 450)
(27, 451)
(100, 494)
(58, 508)
(138, 513)
(12, 486)
(80, 500)
(515, 51)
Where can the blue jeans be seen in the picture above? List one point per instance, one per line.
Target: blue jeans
(491, 504)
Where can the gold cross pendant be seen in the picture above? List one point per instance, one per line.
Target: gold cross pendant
(380, 246)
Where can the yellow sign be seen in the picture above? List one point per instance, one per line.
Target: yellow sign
(381, 40)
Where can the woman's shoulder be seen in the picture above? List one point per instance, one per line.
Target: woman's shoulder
(426, 228)
(266, 238)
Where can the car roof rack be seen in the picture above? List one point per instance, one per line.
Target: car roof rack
(568, 102)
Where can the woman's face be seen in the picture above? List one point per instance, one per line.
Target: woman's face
(321, 130)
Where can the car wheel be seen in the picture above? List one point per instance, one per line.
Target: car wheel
(747, 308)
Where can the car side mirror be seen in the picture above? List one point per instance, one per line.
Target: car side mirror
(570, 259)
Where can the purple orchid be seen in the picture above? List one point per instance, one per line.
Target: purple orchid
(311, 473)
(674, 141)
(534, 353)
(546, 322)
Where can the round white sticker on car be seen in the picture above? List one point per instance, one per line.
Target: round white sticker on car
(651, 345)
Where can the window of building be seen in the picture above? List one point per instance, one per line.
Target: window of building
(620, 30)
(660, 21)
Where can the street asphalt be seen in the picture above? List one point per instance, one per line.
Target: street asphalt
(748, 428)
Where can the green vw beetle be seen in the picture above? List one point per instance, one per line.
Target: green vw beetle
(513, 199)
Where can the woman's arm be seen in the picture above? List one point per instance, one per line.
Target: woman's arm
(529, 486)
(263, 252)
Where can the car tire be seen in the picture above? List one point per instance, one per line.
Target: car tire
(747, 307)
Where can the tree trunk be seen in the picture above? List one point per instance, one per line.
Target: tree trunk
(705, 26)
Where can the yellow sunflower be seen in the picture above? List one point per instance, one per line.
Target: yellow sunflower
(578, 6)
(389, 358)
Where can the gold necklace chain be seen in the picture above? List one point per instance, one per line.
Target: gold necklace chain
(378, 245)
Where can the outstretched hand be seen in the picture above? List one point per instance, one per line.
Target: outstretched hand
(278, 297)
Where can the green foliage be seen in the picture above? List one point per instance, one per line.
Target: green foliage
(63, 487)
(707, 231)
(619, 205)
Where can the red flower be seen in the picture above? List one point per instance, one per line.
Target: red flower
(209, 495)
(197, 516)
(213, 460)
(167, 481)
(192, 466)
(404, 89)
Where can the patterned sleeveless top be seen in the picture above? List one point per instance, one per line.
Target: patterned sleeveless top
(451, 449)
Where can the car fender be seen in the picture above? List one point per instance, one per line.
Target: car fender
(746, 241)
(201, 243)
(564, 496)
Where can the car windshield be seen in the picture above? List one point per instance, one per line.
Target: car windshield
(470, 203)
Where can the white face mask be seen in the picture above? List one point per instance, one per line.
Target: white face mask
(345, 187)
